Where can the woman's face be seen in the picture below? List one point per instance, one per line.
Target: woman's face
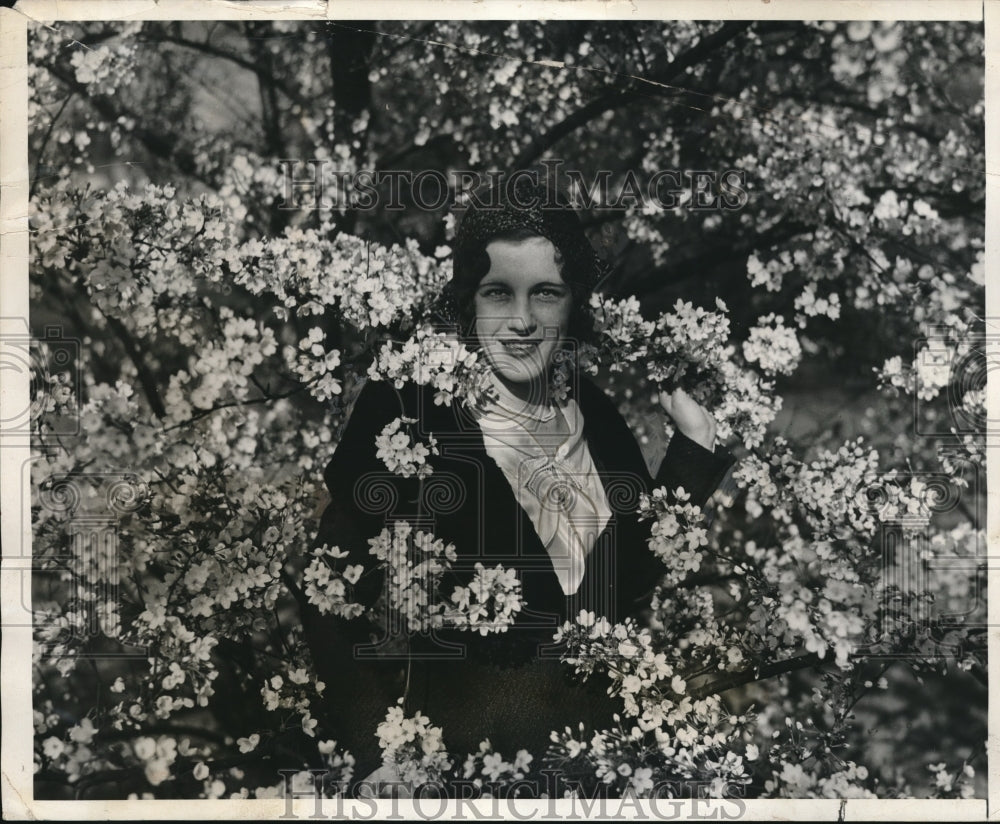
(522, 310)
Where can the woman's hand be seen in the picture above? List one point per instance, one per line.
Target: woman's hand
(690, 417)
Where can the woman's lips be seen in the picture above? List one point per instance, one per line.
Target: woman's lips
(520, 348)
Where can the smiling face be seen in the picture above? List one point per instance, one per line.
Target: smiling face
(522, 309)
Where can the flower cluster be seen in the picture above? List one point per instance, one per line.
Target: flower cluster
(371, 286)
(490, 602)
(221, 372)
(639, 674)
(337, 763)
(690, 347)
(157, 756)
(315, 366)
(703, 636)
(827, 523)
(770, 274)
(677, 534)
(774, 346)
(293, 694)
(583, 357)
(433, 359)
(670, 728)
(795, 781)
(104, 68)
(487, 767)
(629, 761)
(415, 563)
(622, 330)
(328, 588)
(830, 491)
(413, 747)
(400, 454)
(747, 405)
(689, 342)
(809, 305)
(70, 754)
(952, 784)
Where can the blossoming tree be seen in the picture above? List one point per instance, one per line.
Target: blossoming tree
(831, 317)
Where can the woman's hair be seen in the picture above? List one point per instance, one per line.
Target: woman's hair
(519, 212)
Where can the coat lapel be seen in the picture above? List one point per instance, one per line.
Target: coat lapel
(459, 438)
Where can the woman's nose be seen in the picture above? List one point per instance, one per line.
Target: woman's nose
(522, 320)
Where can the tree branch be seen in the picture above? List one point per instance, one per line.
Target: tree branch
(146, 379)
(719, 253)
(40, 151)
(759, 673)
(162, 145)
(349, 50)
(617, 98)
(214, 51)
(229, 404)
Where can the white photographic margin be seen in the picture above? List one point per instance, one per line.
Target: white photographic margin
(16, 777)
(992, 246)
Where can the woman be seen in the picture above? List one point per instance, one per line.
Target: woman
(543, 485)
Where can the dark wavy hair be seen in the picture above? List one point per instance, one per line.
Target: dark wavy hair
(519, 212)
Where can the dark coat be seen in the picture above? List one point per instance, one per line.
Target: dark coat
(508, 687)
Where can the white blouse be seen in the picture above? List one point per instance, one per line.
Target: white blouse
(555, 482)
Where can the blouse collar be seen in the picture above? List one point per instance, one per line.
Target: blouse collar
(506, 410)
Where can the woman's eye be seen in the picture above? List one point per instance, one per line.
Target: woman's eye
(493, 293)
(550, 293)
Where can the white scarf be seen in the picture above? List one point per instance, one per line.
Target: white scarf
(561, 493)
